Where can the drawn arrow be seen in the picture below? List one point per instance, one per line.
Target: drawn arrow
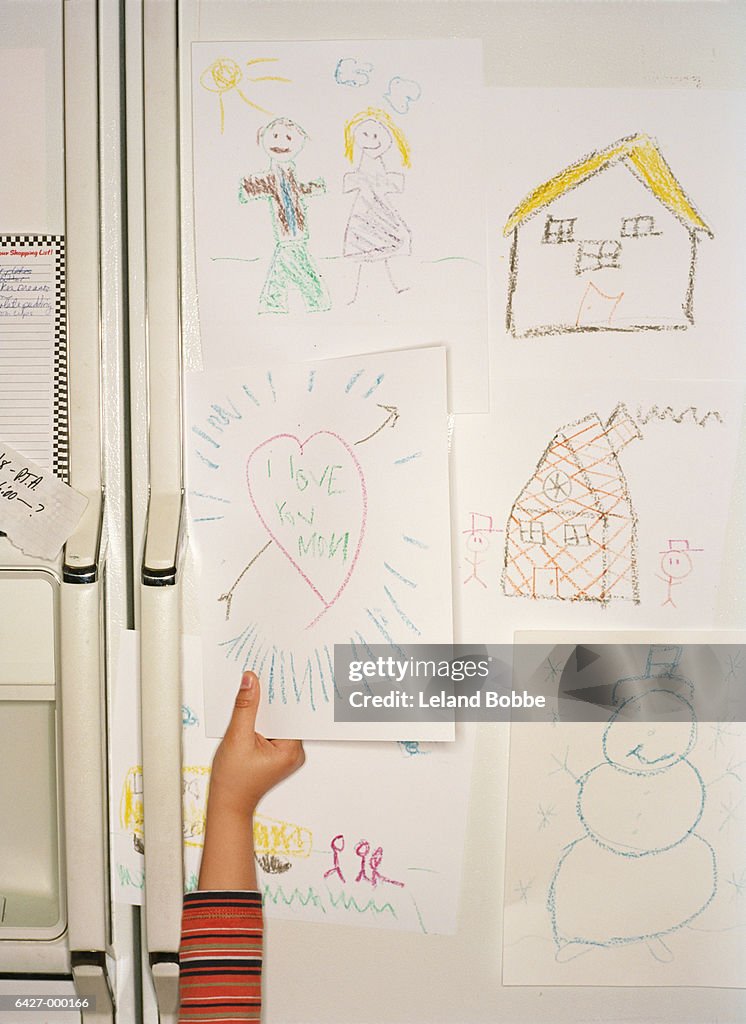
(392, 419)
(228, 596)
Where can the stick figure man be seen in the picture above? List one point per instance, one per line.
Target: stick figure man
(337, 844)
(291, 266)
(362, 850)
(676, 565)
(477, 543)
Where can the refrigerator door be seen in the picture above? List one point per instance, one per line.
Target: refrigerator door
(62, 618)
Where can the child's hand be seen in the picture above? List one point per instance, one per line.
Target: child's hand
(246, 765)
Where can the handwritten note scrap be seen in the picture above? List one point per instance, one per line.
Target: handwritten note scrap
(33, 358)
(38, 512)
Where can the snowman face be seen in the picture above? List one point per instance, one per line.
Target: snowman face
(650, 733)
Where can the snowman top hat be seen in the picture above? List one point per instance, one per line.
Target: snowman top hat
(661, 673)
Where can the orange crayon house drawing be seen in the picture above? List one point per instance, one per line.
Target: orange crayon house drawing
(572, 531)
(608, 244)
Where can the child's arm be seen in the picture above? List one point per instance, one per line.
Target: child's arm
(221, 939)
(245, 767)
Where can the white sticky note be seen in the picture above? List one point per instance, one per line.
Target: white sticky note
(38, 511)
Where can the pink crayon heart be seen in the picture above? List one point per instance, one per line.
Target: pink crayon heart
(310, 497)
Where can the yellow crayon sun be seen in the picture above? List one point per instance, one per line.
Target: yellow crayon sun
(224, 74)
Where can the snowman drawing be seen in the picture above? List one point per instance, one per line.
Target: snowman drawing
(640, 872)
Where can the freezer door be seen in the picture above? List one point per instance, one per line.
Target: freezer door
(61, 618)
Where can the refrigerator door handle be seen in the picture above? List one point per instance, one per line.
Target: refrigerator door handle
(92, 984)
(165, 971)
(160, 680)
(163, 539)
(84, 772)
(81, 563)
(83, 693)
(160, 617)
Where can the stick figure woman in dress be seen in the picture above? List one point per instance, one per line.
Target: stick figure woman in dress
(375, 230)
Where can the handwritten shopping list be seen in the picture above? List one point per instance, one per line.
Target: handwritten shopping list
(319, 515)
(33, 361)
(38, 512)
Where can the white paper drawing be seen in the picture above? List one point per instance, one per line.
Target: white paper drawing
(623, 210)
(330, 212)
(594, 518)
(625, 863)
(331, 845)
(334, 848)
(319, 514)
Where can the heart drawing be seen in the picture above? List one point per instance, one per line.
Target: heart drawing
(310, 497)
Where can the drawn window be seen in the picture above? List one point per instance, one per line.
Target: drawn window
(576, 535)
(532, 533)
(558, 230)
(638, 227)
(595, 255)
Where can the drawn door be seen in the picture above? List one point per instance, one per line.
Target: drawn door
(546, 581)
(597, 309)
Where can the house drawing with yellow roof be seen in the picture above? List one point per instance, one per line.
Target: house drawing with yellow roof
(608, 244)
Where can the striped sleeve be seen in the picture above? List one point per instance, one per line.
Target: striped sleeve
(220, 959)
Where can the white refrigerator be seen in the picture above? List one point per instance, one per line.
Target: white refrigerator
(95, 165)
